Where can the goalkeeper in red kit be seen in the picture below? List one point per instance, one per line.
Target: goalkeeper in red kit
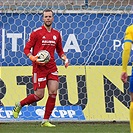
(43, 38)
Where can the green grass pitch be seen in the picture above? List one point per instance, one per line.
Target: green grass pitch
(65, 128)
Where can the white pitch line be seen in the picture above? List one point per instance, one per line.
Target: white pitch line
(98, 40)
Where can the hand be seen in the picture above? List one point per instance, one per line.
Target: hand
(33, 58)
(66, 61)
(124, 77)
(36, 60)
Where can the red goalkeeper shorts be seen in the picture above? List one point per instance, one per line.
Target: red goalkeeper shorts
(40, 79)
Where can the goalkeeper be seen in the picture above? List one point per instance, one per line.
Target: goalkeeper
(43, 38)
(128, 41)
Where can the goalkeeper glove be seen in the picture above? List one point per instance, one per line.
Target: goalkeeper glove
(36, 60)
(33, 58)
(66, 61)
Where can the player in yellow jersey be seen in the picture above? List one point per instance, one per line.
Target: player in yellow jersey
(128, 41)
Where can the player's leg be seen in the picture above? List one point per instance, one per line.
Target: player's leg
(131, 103)
(37, 96)
(27, 101)
(131, 113)
(50, 104)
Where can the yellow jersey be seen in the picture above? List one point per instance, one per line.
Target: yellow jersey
(128, 40)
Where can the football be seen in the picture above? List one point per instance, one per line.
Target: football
(43, 56)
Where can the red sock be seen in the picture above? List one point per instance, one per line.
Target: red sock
(50, 105)
(29, 99)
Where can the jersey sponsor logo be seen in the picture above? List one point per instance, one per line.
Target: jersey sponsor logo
(48, 42)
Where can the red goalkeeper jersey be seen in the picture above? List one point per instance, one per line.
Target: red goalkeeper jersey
(41, 39)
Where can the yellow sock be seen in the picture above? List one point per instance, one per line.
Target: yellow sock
(131, 116)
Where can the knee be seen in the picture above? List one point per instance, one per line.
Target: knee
(52, 92)
(53, 95)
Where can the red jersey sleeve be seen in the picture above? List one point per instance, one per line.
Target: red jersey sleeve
(59, 47)
(31, 42)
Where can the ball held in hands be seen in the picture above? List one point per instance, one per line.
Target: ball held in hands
(43, 56)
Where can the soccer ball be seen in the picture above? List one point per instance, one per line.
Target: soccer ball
(43, 56)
